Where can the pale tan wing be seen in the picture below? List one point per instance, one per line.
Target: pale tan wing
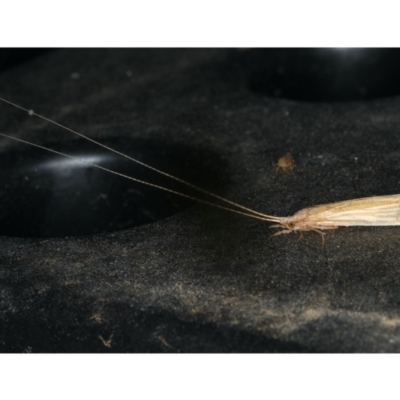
(373, 211)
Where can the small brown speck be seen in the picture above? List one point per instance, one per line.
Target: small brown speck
(163, 341)
(97, 317)
(285, 162)
(107, 343)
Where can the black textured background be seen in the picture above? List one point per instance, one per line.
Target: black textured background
(199, 279)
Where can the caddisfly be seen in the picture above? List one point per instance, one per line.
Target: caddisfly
(368, 211)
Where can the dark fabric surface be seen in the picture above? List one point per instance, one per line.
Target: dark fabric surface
(93, 264)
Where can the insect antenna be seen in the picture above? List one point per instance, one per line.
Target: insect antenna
(248, 211)
(266, 218)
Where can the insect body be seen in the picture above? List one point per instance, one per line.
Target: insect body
(369, 211)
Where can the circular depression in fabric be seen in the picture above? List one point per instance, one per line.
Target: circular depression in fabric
(327, 74)
(47, 195)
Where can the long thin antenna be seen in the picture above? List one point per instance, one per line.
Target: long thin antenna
(267, 218)
(31, 112)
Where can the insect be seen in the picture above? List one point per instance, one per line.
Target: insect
(285, 162)
(368, 211)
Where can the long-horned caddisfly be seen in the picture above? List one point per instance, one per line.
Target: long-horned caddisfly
(368, 211)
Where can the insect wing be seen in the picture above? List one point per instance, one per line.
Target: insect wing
(373, 211)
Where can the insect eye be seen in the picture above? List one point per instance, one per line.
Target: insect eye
(290, 225)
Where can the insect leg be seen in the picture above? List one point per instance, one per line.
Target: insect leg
(280, 233)
(322, 235)
(300, 235)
